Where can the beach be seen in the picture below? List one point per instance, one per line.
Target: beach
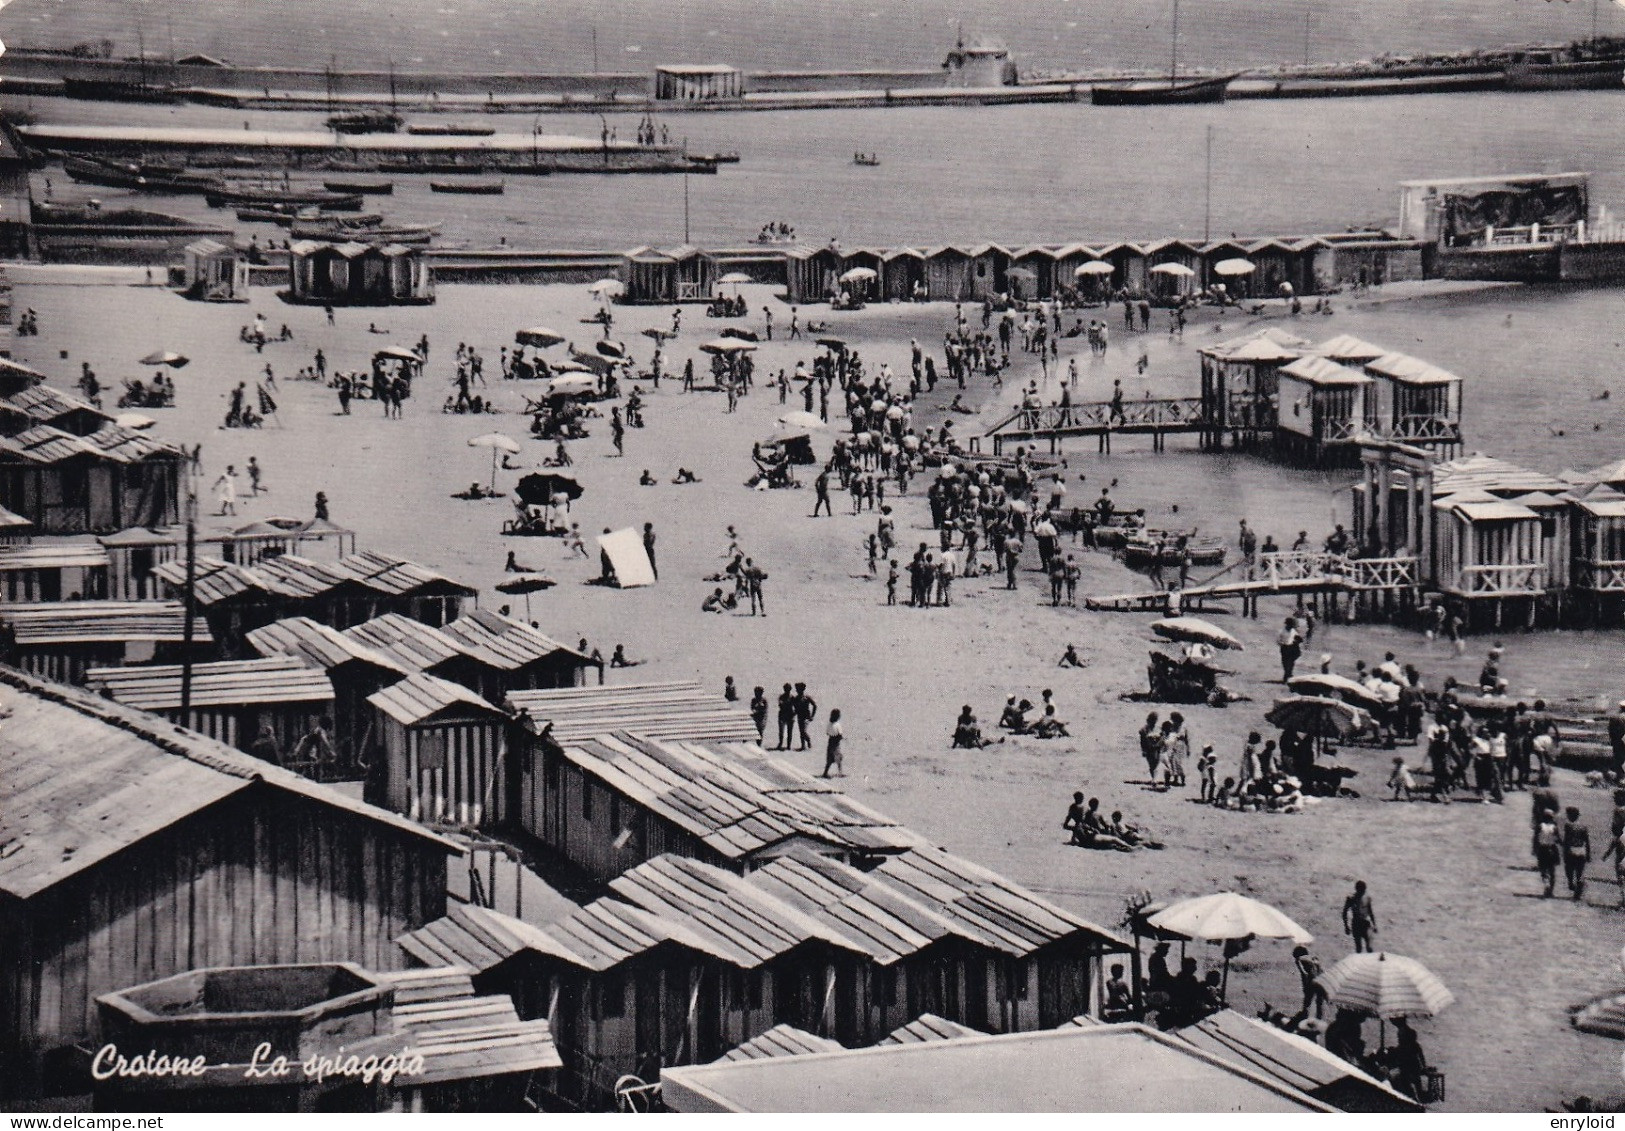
(1453, 887)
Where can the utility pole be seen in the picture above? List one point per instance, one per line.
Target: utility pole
(595, 49)
(1207, 209)
(1308, 18)
(685, 198)
(1173, 56)
(191, 607)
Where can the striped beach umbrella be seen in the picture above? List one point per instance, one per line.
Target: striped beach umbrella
(1385, 986)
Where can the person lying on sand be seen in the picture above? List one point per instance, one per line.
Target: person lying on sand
(684, 475)
(1050, 725)
(1090, 829)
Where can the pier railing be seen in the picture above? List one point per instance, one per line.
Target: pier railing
(1515, 580)
(1599, 575)
(1172, 413)
(1425, 427)
(1316, 565)
(1299, 565)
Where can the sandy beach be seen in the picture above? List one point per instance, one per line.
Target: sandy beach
(1453, 887)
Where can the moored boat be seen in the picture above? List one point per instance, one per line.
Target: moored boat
(1141, 553)
(118, 174)
(328, 232)
(1554, 74)
(449, 129)
(365, 188)
(1162, 92)
(231, 196)
(468, 188)
(365, 122)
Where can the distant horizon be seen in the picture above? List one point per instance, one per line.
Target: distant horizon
(568, 36)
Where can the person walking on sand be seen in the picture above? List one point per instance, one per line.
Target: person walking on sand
(1291, 644)
(225, 489)
(255, 487)
(832, 751)
(617, 431)
(1360, 918)
(1576, 852)
(758, 713)
(649, 548)
(1546, 845)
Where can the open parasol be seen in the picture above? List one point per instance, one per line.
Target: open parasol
(832, 343)
(1173, 270)
(1330, 685)
(859, 275)
(616, 351)
(539, 336)
(134, 421)
(498, 443)
(1227, 917)
(166, 357)
(802, 421)
(1385, 986)
(539, 488)
(399, 353)
(657, 334)
(1095, 267)
(523, 585)
(728, 345)
(574, 381)
(1195, 630)
(1022, 273)
(1317, 716)
(1232, 267)
(607, 288)
(735, 278)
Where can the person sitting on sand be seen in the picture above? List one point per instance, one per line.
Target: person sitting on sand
(618, 658)
(1093, 831)
(1069, 658)
(968, 732)
(684, 475)
(1014, 716)
(1227, 796)
(958, 405)
(646, 480)
(719, 602)
(1050, 725)
(1131, 834)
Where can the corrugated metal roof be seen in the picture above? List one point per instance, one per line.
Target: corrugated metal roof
(53, 555)
(84, 622)
(477, 939)
(505, 643)
(464, 1037)
(742, 923)
(1497, 476)
(781, 1040)
(985, 905)
(1410, 370)
(677, 709)
(419, 698)
(882, 919)
(1322, 371)
(1603, 508)
(213, 580)
(412, 644)
(928, 1027)
(43, 444)
(82, 778)
(317, 645)
(1291, 1060)
(399, 577)
(228, 683)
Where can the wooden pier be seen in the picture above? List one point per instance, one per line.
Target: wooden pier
(1296, 573)
(1158, 418)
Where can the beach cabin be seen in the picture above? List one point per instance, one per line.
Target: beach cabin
(1241, 383)
(648, 276)
(779, 967)
(47, 405)
(1322, 410)
(213, 272)
(528, 659)
(1217, 251)
(231, 599)
(57, 571)
(948, 274)
(902, 275)
(1176, 257)
(870, 258)
(1278, 264)
(107, 481)
(1598, 524)
(694, 273)
(15, 530)
(623, 992)
(919, 962)
(1032, 273)
(326, 591)
(1368, 259)
(404, 587)
(1489, 550)
(267, 707)
(444, 749)
(65, 639)
(1416, 402)
(355, 274)
(1072, 270)
(803, 277)
(200, 856)
(1128, 262)
(14, 375)
(698, 82)
(419, 648)
(355, 672)
(608, 802)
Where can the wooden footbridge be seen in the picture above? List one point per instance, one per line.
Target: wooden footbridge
(1294, 573)
(1158, 418)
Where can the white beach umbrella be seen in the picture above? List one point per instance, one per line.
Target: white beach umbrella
(1094, 267)
(135, 421)
(1232, 267)
(607, 288)
(1174, 270)
(498, 443)
(1385, 986)
(859, 275)
(802, 420)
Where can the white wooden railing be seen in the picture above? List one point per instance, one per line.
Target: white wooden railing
(1518, 579)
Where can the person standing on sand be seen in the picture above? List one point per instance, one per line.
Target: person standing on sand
(767, 313)
(821, 487)
(795, 324)
(1291, 645)
(226, 490)
(787, 718)
(1576, 852)
(649, 548)
(1360, 918)
(758, 713)
(806, 708)
(833, 759)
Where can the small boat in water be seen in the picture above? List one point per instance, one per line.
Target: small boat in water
(1162, 92)
(365, 122)
(729, 158)
(1141, 553)
(449, 129)
(329, 232)
(111, 90)
(141, 178)
(869, 160)
(365, 188)
(232, 196)
(468, 188)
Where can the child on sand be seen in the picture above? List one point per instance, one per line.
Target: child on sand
(1207, 769)
(1400, 780)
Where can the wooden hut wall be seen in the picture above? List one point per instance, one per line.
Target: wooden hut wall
(130, 571)
(592, 826)
(1042, 264)
(239, 725)
(68, 663)
(804, 279)
(445, 770)
(1168, 287)
(696, 277)
(948, 276)
(86, 495)
(989, 273)
(261, 878)
(53, 583)
(899, 274)
(651, 281)
(1130, 264)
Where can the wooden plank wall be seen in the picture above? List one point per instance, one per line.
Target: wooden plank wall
(260, 878)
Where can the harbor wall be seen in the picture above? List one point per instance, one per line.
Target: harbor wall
(1530, 264)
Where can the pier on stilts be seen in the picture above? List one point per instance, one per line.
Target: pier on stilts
(1158, 418)
(1373, 586)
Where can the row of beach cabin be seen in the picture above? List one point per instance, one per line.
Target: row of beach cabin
(1165, 270)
